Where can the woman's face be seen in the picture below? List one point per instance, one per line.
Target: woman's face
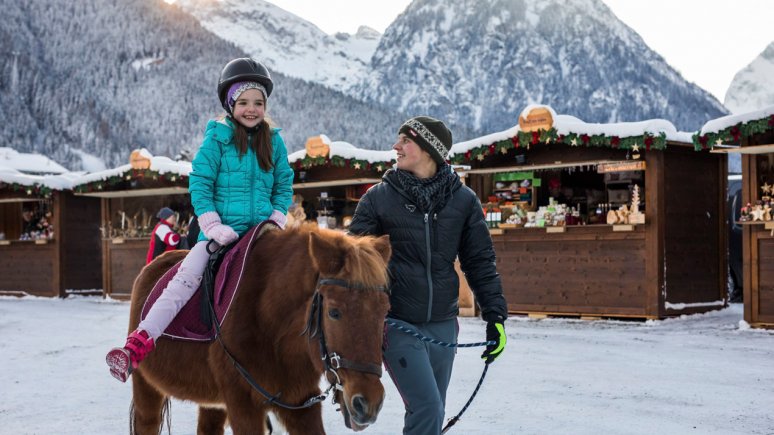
(411, 157)
(250, 108)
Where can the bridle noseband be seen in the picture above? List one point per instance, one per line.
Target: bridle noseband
(332, 361)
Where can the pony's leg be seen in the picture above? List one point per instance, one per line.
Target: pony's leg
(244, 416)
(211, 421)
(148, 407)
(306, 421)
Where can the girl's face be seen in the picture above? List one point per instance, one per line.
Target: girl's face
(411, 157)
(250, 108)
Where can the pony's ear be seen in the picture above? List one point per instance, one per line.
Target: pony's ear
(326, 254)
(382, 246)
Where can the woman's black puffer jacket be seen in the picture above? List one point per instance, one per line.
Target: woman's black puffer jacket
(424, 285)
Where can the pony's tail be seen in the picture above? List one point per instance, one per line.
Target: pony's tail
(166, 417)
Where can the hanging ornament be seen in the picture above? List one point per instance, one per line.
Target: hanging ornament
(648, 143)
(615, 141)
(491, 149)
(636, 151)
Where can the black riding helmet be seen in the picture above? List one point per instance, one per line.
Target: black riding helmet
(240, 70)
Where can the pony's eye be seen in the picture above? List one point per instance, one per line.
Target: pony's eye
(334, 314)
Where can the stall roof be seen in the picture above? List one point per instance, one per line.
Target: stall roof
(576, 132)
(162, 165)
(44, 183)
(730, 129)
(33, 164)
(344, 151)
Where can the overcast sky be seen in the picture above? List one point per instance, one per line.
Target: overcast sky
(707, 41)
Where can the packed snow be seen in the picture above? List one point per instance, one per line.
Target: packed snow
(699, 374)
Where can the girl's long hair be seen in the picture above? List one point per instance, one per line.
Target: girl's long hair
(261, 143)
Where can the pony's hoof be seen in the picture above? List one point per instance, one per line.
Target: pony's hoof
(120, 363)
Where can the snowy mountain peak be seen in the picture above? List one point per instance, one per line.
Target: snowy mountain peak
(286, 42)
(479, 63)
(752, 87)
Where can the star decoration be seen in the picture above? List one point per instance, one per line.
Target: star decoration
(757, 214)
(636, 147)
(766, 188)
(504, 150)
(379, 168)
(718, 142)
(548, 140)
(357, 165)
(480, 157)
(574, 142)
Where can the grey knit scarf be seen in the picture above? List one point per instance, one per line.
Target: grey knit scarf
(428, 193)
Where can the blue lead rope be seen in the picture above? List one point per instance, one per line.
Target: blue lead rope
(414, 333)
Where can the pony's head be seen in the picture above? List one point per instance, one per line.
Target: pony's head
(347, 318)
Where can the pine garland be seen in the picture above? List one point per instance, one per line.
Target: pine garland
(526, 140)
(128, 176)
(35, 189)
(733, 134)
(341, 162)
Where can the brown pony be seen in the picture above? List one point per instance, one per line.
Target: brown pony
(271, 331)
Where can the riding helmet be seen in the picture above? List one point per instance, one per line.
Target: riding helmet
(240, 70)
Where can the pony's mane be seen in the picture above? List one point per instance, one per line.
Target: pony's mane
(362, 262)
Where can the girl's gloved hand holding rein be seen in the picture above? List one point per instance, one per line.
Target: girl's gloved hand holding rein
(212, 227)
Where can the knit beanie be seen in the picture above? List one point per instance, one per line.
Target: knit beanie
(235, 90)
(430, 134)
(165, 213)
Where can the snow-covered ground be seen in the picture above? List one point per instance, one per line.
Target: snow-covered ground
(700, 374)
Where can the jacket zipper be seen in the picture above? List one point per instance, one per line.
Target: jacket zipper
(428, 269)
(252, 181)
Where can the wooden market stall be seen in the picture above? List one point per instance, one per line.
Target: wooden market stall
(602, 220)
(129, 198)
(754, 132)
(49, 242)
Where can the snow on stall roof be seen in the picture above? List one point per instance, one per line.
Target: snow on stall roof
(55, 182)
(566, 124)
(346, 150)
(29, 163)
(724, 122)
(160, 164)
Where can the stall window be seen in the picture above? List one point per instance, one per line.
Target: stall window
(26, 220)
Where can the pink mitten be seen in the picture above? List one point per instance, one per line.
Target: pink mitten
(279, 218)
(213, 229)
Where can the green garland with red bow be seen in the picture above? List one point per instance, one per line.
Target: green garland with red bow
(734, 133)
(526, 139)
(35, 189)
(133, 174)
(340, 162)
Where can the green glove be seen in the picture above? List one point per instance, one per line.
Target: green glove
(495, 331)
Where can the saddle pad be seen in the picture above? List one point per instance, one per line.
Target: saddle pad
(187, 325)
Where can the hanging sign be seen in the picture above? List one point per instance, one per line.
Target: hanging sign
(620, 167)
(316, 147)
(537, 119)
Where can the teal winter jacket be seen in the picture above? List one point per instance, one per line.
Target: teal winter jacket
(236, 187)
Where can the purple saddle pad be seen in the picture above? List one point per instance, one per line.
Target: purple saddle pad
(187, 325)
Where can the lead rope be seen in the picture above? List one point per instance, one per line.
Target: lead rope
(416, 334)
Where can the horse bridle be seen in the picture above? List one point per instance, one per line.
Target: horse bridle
(332, 361)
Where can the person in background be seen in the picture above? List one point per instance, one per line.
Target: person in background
(431, 218)
(29, 221)
(240, 177)
(163, 238)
